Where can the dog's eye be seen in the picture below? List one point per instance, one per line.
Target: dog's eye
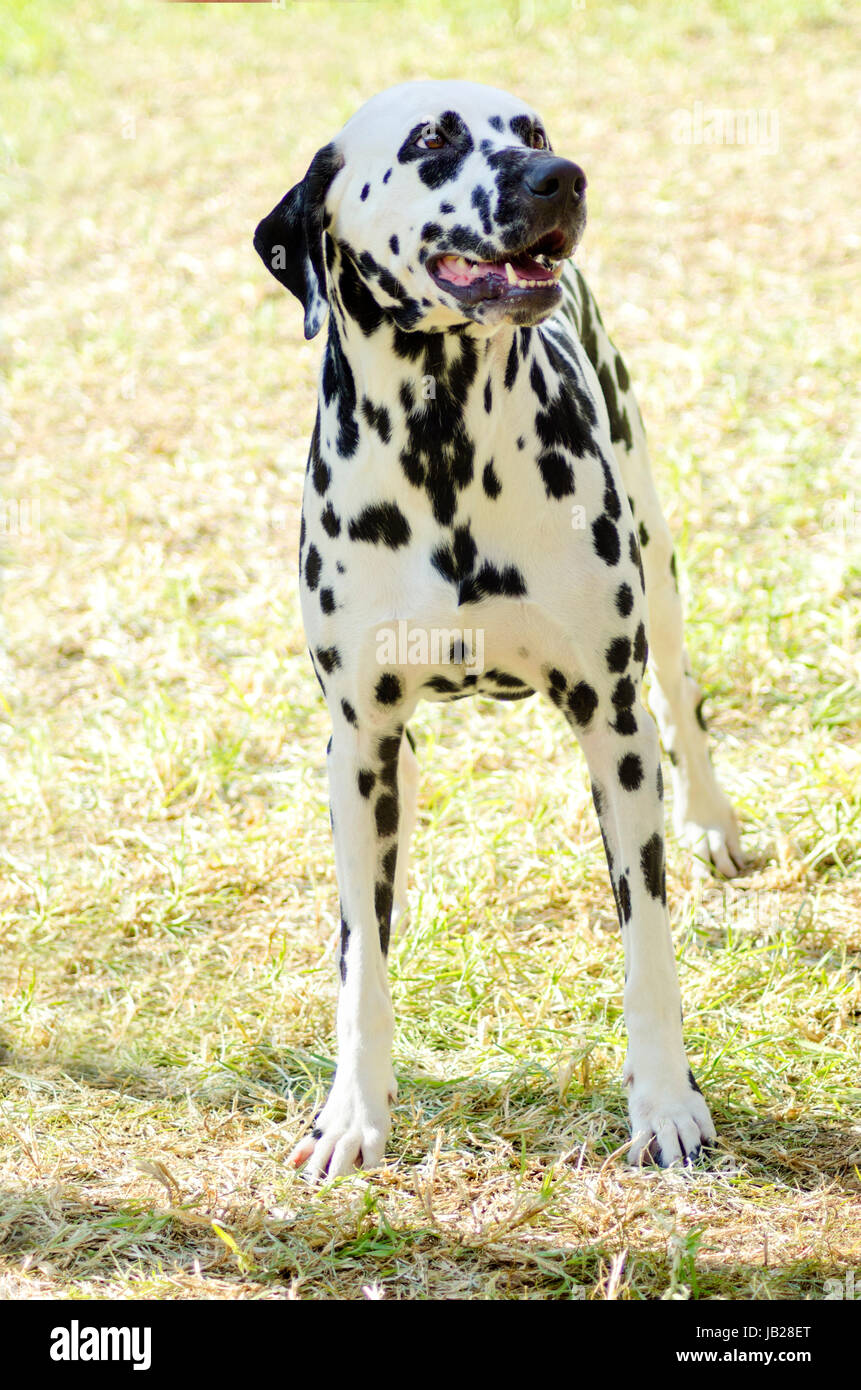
(431, 140)
(539, 140)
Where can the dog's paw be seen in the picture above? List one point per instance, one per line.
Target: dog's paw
(670, 1121)
(350, 1131)
(709, 831)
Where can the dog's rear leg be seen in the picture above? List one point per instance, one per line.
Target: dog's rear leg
(704, 818)
(353, 1126)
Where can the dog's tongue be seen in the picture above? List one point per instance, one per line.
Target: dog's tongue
(458, 271)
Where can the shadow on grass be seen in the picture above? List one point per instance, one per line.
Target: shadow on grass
(339, 1247)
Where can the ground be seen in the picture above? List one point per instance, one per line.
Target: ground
(166, 874)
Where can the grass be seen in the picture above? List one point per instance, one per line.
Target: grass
(166, 876)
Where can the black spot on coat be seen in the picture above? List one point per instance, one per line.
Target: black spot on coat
(313, 566)
(582, 702)
(329, 658)
(624, 600)
(652, 864)
(605, 537)
(386, 815)
(491, 581)
(618, 654)
(330, 521)
(490, 482)
(378, 419)
(388, 689)
(631, 772)
(382, 523)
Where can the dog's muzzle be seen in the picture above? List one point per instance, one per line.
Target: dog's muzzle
(549, 199)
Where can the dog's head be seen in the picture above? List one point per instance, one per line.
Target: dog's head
(438, 203)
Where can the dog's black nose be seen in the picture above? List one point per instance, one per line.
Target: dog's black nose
(554, 180)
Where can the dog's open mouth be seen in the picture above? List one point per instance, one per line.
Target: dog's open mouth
(535, 269)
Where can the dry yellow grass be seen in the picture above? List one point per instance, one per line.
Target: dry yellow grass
(166, 876)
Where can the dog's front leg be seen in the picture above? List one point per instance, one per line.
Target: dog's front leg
(353, 1126)
(669, 1117)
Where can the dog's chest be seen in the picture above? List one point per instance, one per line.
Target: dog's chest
(464, 475)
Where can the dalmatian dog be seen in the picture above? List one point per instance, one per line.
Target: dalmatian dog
(478, 487)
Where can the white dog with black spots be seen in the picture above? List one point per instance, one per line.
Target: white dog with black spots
(478, 464)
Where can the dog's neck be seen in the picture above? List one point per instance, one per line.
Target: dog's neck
(423, 398)
(395, 364)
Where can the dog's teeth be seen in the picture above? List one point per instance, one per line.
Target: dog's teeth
(510, 273)
(462, 263)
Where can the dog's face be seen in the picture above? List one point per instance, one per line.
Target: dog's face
(439, 203)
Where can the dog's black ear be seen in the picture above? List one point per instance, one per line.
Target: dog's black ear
(290, 240)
